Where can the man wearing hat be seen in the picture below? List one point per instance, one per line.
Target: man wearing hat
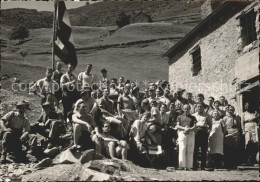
(15, 129)
(47, 88)
(180, 101)
(86, 78)
(48, 125)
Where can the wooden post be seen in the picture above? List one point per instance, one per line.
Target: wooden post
(54, 34)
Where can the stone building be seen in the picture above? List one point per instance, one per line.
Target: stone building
(220, 56)
(141, 17)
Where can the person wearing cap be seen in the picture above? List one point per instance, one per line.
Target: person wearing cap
(186, 138)
(200, 99)
(107, 108)
(166, 97)
(57, 74)
(84, 122)
(15, 128)
(104, 75)
(201, 137)
(69, 87)
(86, 78)
(49, 125)
(47, 88)
(180, 101)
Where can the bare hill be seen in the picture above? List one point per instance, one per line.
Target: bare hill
(106, 13)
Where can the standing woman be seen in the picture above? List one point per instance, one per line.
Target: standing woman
(216, 140)
(232, 138)
(250, 130)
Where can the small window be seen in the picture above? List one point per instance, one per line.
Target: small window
(247, 23)
(196, 61)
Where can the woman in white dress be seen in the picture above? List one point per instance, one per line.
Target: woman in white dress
(216, 140)
(250, 130)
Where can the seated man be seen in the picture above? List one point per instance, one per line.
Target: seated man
(49, 125)
(139, 133)
(114, 148)
(106, 106)
(155, 125)
(83, 121)
(15, 129)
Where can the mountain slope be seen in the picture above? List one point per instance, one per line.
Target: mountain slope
(104, 13)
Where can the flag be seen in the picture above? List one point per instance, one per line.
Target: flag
(63, 45)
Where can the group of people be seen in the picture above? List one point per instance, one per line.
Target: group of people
(117, 119)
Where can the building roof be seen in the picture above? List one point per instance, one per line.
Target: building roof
(200, 27)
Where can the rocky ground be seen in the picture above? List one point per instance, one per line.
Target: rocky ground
(115, 170)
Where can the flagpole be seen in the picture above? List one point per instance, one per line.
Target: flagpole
(54, 34)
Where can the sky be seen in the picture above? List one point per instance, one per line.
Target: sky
(39, 5)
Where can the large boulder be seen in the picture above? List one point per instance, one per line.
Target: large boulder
(69, 157)
(89, 155)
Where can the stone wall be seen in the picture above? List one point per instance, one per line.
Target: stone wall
(219, 51)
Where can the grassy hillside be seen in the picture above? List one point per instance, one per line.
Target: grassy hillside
(105, 13)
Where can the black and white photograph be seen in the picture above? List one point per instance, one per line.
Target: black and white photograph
(129, 90)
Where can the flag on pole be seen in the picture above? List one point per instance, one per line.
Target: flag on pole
(63, 41)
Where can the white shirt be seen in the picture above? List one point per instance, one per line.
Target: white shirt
(202, 120)
(85, 79)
